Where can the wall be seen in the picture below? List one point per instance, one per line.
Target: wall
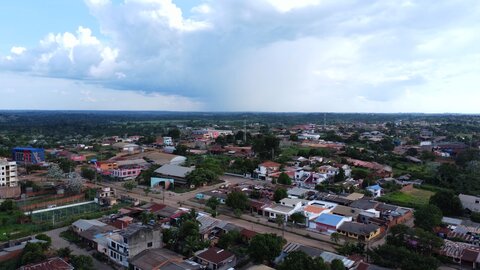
(138, 242)
(60, 199)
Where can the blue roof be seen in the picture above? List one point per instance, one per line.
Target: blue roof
(329, 219)
(27, 149)
(375, 187)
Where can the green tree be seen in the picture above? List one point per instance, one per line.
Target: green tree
(284, 179)
(265, 247)
(340, 176)
(64, 252)
(213, 203)
(82, 262)
(428, 217)
(147, 217)
(88, 173)
(200, 176)
(130, 185)
(7, 205)
(229, 239)
(237, 200)
(280, 194)
(335, 237)
(337, 265)
(448, 202)
(298, 218)
(46, 238)
(32, 253)
(181, 150)
(174, 133)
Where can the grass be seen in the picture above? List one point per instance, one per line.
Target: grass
(413, 198)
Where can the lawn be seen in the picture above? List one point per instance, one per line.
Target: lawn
(411, 198)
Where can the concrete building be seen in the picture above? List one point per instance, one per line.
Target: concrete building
(129, 242)
(8, 173)
(28, 155)
(216, 259)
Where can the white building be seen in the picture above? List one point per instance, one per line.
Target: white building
(8, 173)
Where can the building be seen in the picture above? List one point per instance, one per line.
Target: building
(470, 203)
(8, 173)
(85, 224)
(216, 258)
(328, 222)
(106, 196)
(127, 243)
(359, 231)
(376, 190)
(28, 155)
(266, 168)
(126, 172)
(55, 263)
(170, 174)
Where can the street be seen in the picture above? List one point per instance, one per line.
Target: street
(59, 242)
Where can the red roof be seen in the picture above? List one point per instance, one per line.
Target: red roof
(156, 207)
(55, 263)
(270, 164)
(215, 255)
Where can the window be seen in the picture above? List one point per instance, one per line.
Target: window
(114, 245)
(149, 244)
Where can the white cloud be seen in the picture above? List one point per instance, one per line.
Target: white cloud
(271, 55)
(18, 50)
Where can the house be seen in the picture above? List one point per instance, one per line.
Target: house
(171, 173)
(216, 258)
(125, 244)
(328, 222)
(126, 172)
(327, 257)
(376, 190)
(161, 258)
(346, 211)
(55, 263)
(359, 231)
(470, 203)
(105, 196)
(297, 193)
(266, 168)
(313, 211)
(85, 224)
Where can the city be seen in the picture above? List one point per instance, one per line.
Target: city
(239, 135)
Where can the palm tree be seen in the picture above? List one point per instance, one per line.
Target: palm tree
(335, 237)
(280, 220)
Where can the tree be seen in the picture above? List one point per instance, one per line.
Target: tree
(448, 202)
(32, 253)
(337, 265)
(298, 218)
(180, 150)
(335, 237)
(88, 173)
(200, 176)
(174, 133)
(213, 204)
(74, 184)
(284, 179)
(237, 200)
(147, 217)
(265, 247)
(66, 165)
(227, 240)
(7, 205)
(130, 185)
(293, 137)
(340, 176)
(82, 262)
(411, 152)
(266, 146)
(428, 217)
(279, 194)
(46, 238)
(54, 172)
(64, 252)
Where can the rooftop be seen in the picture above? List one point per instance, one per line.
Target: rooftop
(329, 219)
(214, 255)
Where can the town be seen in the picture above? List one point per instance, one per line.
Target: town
(225, 191)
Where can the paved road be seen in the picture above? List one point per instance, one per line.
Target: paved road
(59, 242)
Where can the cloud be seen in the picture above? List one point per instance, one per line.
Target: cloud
(270, 55)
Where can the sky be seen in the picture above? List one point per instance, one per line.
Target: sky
(382, 56)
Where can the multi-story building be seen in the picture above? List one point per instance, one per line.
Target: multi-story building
(8, 173)
(127, 172)
(127, 243)
(28, 155)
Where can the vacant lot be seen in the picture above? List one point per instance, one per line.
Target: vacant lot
(410, 198)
